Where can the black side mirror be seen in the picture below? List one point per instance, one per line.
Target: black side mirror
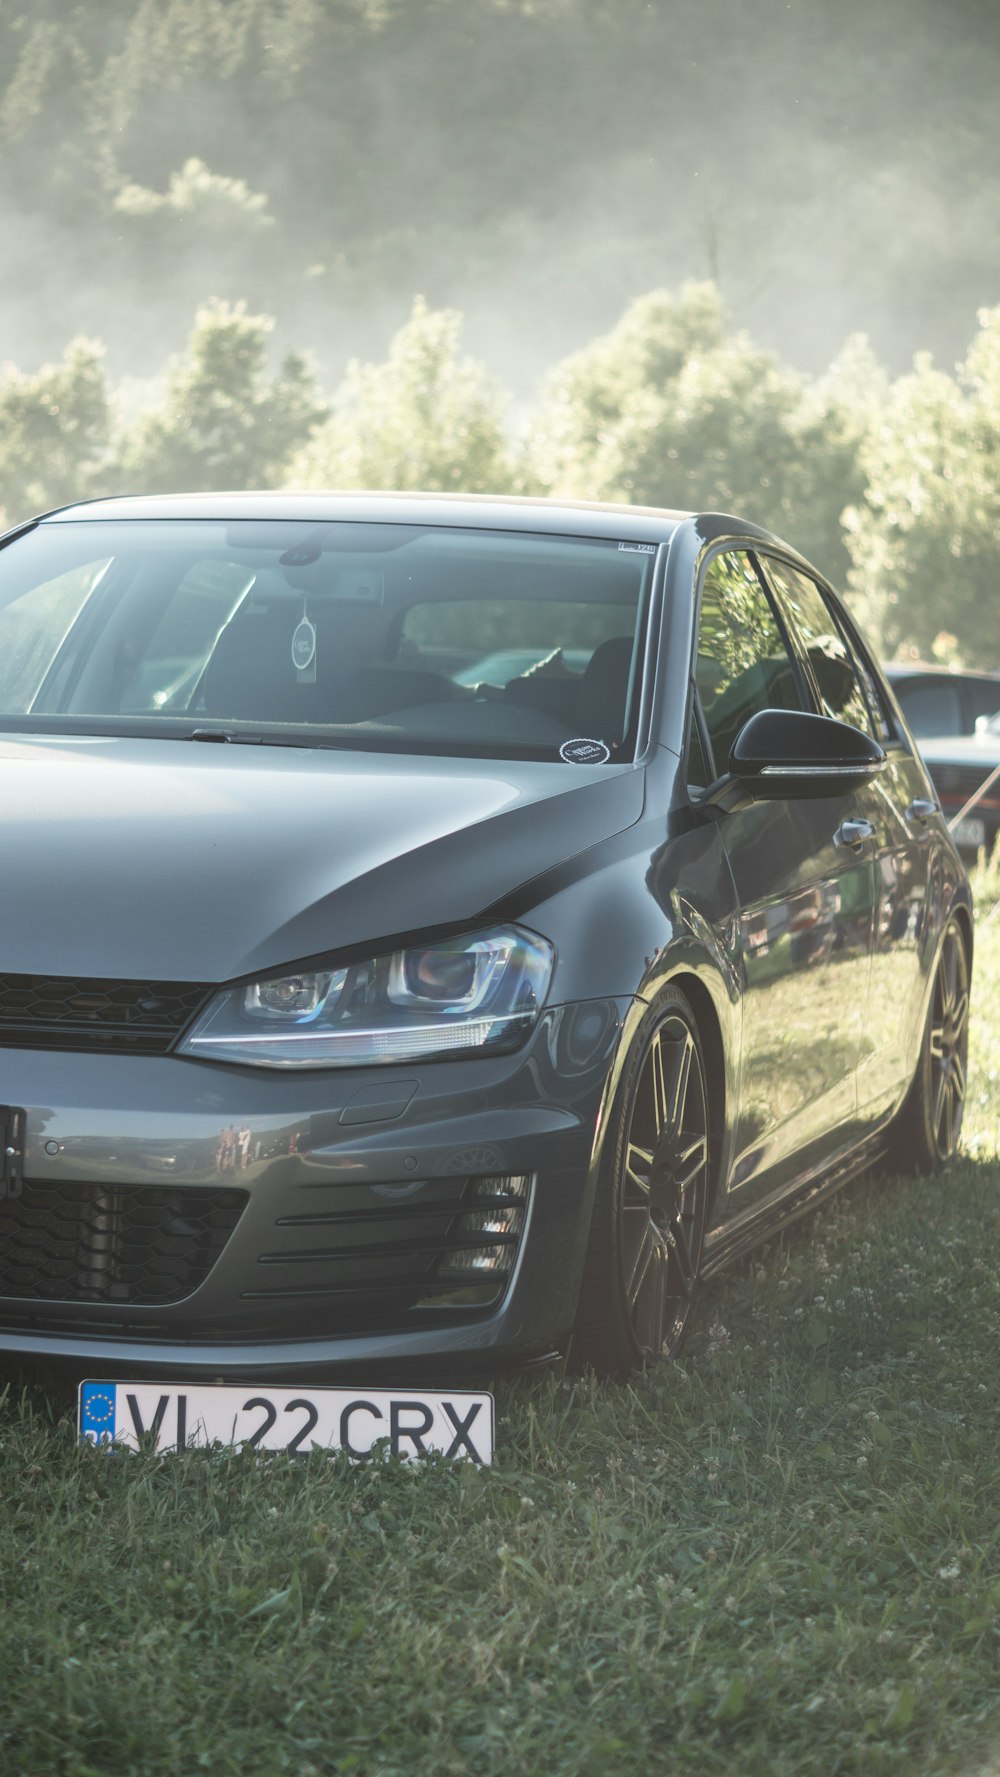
(789, 753)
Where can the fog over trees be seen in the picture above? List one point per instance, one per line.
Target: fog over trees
(685, 252)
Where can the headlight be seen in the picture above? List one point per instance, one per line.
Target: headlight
(481, 992)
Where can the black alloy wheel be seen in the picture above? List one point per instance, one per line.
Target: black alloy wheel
(649, 1217)
(948, 1045)
(928, 1127)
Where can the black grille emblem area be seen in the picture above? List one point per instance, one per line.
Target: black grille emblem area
(12, 1122)
(82, 1242)
(121, 1017)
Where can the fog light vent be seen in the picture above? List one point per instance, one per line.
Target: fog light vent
(478, 1261)
(495, 1226)
(509, 1188)
(491, 1221)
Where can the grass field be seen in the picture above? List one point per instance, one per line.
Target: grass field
(780, 1555)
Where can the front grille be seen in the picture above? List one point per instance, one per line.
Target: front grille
(77, 1012)
(121, 1244)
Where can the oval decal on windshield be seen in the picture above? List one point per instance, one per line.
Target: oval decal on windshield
(584, 752)
(303, 645)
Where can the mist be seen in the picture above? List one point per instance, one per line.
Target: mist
(834, 169)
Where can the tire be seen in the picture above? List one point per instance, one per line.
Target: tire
(924, 1136)
(641, 1271)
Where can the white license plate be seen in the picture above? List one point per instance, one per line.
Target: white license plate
(164, 1416)
(970, 832)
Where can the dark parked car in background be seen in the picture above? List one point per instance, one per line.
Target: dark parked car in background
(955, 717)
(937, 701)
(958, 765)
(355, 1016)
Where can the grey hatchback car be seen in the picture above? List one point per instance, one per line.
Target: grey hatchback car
(436, 932)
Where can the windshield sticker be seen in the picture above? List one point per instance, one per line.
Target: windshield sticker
(639, 548)
(584, 752)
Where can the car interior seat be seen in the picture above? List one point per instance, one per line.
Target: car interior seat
(599, 710)
(251, 675)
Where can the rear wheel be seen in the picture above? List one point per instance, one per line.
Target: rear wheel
(926, 1132)
(642, 1264)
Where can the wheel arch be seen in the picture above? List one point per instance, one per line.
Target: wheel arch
(963, 914)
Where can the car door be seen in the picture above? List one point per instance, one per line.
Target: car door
(806, 902)
(894, 808)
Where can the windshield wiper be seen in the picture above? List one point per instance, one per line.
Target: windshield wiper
(223, 735)
(220, 736)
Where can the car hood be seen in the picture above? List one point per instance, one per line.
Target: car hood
(167, 860)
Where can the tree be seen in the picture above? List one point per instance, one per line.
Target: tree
(55, 428)
(425, 419)
(223, 423)
(670, 409)
(197, 198)
(838, 413)
(924, 538)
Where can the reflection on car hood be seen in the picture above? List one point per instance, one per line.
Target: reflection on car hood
(149, 858)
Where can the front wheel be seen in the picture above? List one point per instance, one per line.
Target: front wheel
(641, 1270)
(926, 1131)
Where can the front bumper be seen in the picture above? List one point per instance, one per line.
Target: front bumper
(347, 1180)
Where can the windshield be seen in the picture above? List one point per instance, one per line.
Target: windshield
(399, 637)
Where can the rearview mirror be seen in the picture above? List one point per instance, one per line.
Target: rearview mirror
(790, 753)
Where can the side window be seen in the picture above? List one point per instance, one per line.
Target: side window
(743, 664)
(836, 672)
(931, 709)
(698, 775)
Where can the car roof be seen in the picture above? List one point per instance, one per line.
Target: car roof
(574, 518)
(586, 517)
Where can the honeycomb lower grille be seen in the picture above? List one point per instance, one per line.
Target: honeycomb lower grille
(77, 1012)
(121, 1244)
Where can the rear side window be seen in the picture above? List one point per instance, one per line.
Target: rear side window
(834, 669)
(931, 709)
(743, 663)
(985, 701)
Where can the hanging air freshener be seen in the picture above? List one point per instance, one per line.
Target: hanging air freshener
(304, 649)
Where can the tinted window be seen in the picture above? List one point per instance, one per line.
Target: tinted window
(985, 700)
(931, 709)
(401, 637)
(831, 663)
(743, 664)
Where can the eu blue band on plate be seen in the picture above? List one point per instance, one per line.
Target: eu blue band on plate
(97, 1410)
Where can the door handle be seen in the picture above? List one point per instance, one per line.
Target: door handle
(921, 810)
(854, 834)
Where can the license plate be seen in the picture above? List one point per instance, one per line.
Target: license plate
(970, 832)
(164, 1416)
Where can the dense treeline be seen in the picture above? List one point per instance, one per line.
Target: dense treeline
(892, 487)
